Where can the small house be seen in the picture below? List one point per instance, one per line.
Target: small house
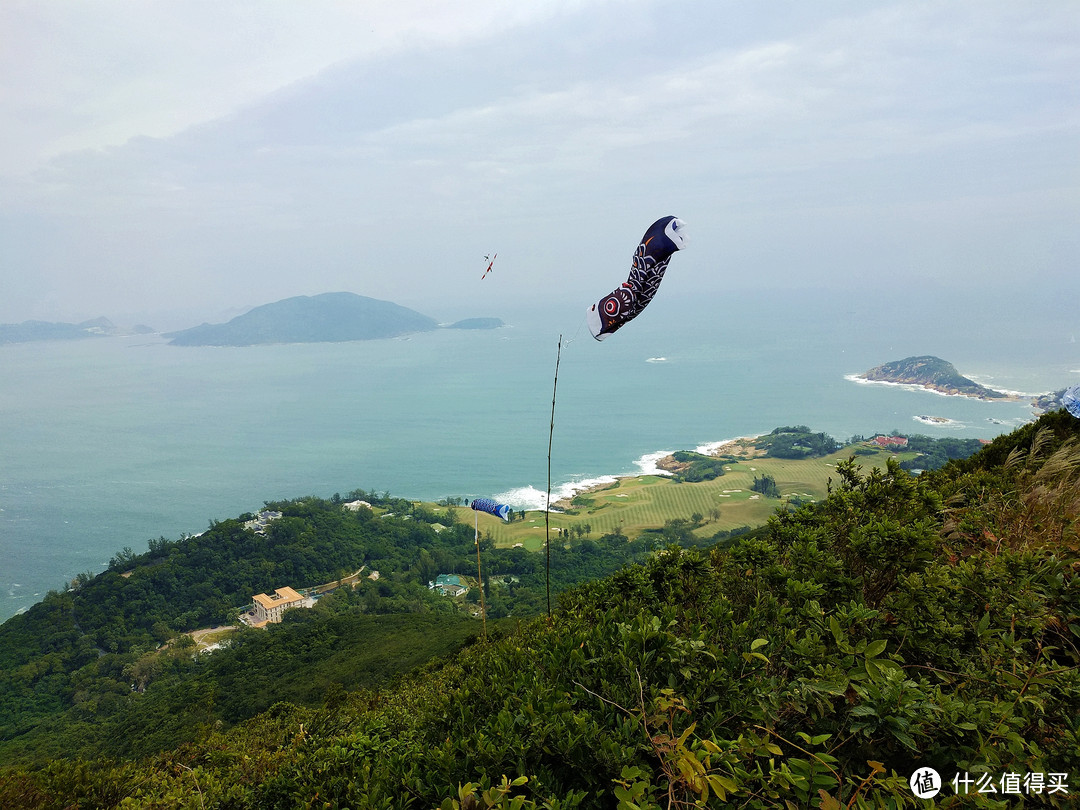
(262, 520)
(448, 585)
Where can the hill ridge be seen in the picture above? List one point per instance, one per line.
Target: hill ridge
(324, 318)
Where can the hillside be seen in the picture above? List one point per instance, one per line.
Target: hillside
(30, 331)
(325, 318)
(329, 317)
(932, 373)
(899, 622)
(107, 666)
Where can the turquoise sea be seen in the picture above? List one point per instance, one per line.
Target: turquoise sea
(110, 442)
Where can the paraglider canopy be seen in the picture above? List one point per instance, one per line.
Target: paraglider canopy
(1071, 400)
(492, 508)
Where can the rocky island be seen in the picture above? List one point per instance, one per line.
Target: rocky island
(326, 318)
(934, 374)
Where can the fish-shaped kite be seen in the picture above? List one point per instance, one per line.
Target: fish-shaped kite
(490, 263)
(651, 258)
(491, 507)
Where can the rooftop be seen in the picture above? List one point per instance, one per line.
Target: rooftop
(279, 596)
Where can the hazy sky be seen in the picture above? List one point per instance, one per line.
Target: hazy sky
(160, 159)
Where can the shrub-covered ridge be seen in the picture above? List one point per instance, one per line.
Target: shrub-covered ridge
(903, 622)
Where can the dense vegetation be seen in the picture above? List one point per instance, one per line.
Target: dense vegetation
(73, 661)
(698, 467)
(797, 442)
(901, 622)
(936, 453)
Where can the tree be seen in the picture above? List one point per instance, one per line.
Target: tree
(797, 442)
(766, 485)
(122, 560)
(426, 567)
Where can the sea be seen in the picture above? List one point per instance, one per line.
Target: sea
(108, 443)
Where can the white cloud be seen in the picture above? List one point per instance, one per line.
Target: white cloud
(99, 72)
(892, 136)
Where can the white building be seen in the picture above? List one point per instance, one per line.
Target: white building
(268, 609)
(261, 521)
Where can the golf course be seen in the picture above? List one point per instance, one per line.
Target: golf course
(634, 504)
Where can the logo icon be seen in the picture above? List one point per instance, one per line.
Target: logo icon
(925, 783)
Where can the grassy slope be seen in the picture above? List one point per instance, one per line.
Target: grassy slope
(643, 502)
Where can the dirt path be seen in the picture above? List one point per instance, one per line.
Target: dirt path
(209, 636)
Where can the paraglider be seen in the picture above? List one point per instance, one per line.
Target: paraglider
(490, 263)
(491, 507)
(651, 258)
(1071, 400)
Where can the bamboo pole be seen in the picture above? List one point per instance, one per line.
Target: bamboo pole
(547, 504)
(479, 573)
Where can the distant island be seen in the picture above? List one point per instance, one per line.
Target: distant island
(326, 318)
(934, 374)
(477, 323)
(31, 331)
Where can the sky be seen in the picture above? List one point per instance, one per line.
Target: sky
(180, 161)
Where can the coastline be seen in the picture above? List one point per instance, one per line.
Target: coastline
(1007, 396)
(660, 462)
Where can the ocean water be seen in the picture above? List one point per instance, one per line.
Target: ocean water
(109, 443)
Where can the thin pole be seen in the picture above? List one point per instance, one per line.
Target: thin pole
(547, 506)
(479, 575)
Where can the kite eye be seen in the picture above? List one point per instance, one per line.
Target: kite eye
(676, 232)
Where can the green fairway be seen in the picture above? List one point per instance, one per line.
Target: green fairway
(637, 503)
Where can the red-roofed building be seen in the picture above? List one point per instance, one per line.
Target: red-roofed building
(890, 441)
